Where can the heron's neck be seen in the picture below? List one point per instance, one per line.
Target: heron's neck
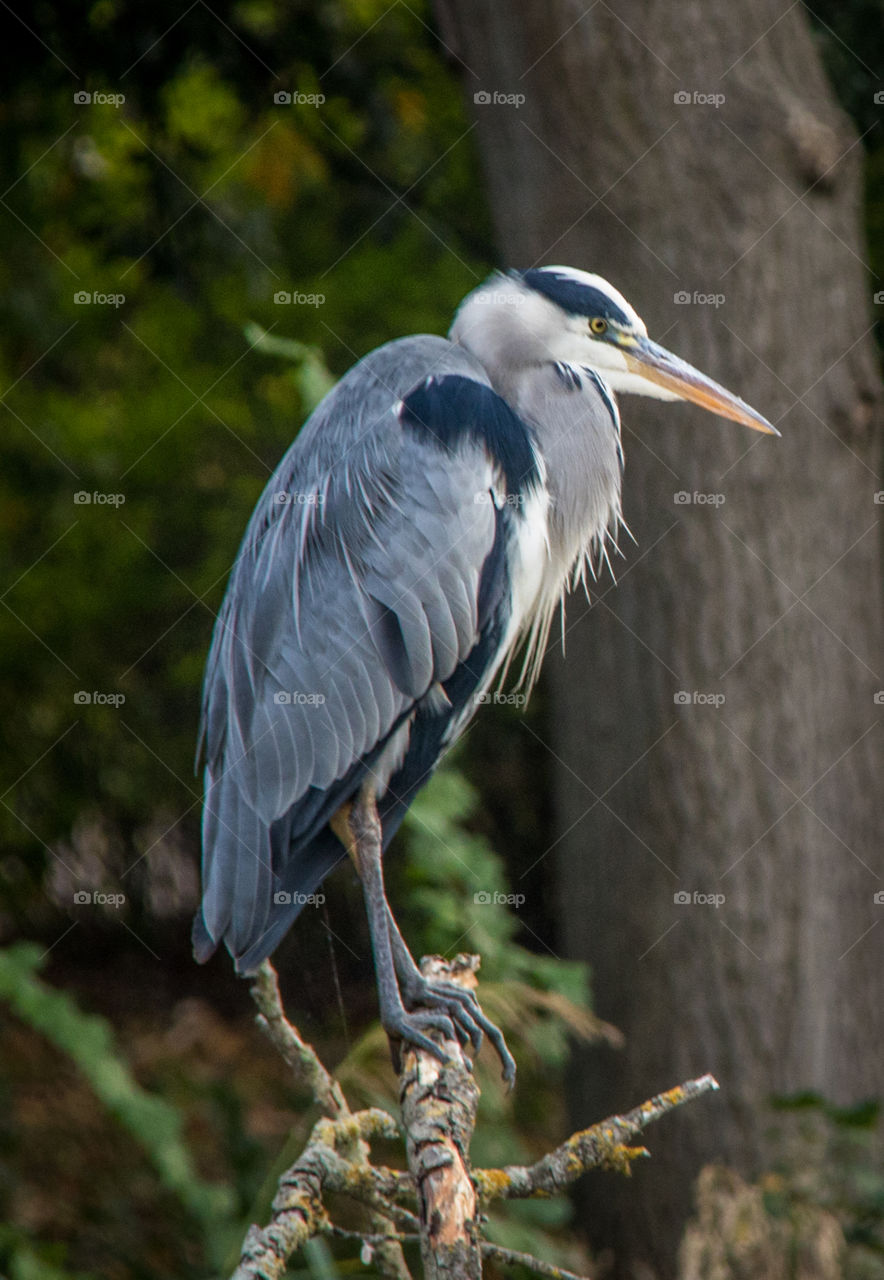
(577, 430)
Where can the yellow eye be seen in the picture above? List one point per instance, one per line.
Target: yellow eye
(598, 325)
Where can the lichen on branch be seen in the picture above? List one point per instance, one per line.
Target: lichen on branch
(440, 1200)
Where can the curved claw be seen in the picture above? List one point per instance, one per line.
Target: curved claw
(495, 1036)
(492, 1031)
(464, 1010)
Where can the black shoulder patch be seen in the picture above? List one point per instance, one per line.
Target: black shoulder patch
(572, 296)
(447, 410)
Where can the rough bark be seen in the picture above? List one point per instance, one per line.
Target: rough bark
(438, 1114)
(769, 599)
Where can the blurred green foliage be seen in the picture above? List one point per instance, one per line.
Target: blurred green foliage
(832, 1158)
(197, 200)
(88, 1041)
(179, 213)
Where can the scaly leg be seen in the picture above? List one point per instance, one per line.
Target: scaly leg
(461, 1005)
(365, 846)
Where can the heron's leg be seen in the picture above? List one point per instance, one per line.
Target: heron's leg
(461, 1005)
(366, 848)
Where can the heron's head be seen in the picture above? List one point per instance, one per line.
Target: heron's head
(563, 314)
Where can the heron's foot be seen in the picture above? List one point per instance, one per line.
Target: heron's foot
(462, 1008)
(409, 1026)
(420, 992)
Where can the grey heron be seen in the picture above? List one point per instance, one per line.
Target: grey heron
(423, 527)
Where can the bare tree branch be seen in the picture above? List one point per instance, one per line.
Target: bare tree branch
(439, 1103)
(603, 1144)
(515, 1259)
(298, 1055)
(438, 1110)
(297, 1206)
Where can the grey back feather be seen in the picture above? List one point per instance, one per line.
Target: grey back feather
(354, 593)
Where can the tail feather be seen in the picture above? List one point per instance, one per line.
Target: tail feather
(255, 883)
(306, 874)
(237, 872)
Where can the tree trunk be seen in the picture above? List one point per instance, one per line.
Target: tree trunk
(760, 608)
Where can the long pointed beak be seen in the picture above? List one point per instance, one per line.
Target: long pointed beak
(658, 365)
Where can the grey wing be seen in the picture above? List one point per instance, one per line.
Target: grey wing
(355, 593)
